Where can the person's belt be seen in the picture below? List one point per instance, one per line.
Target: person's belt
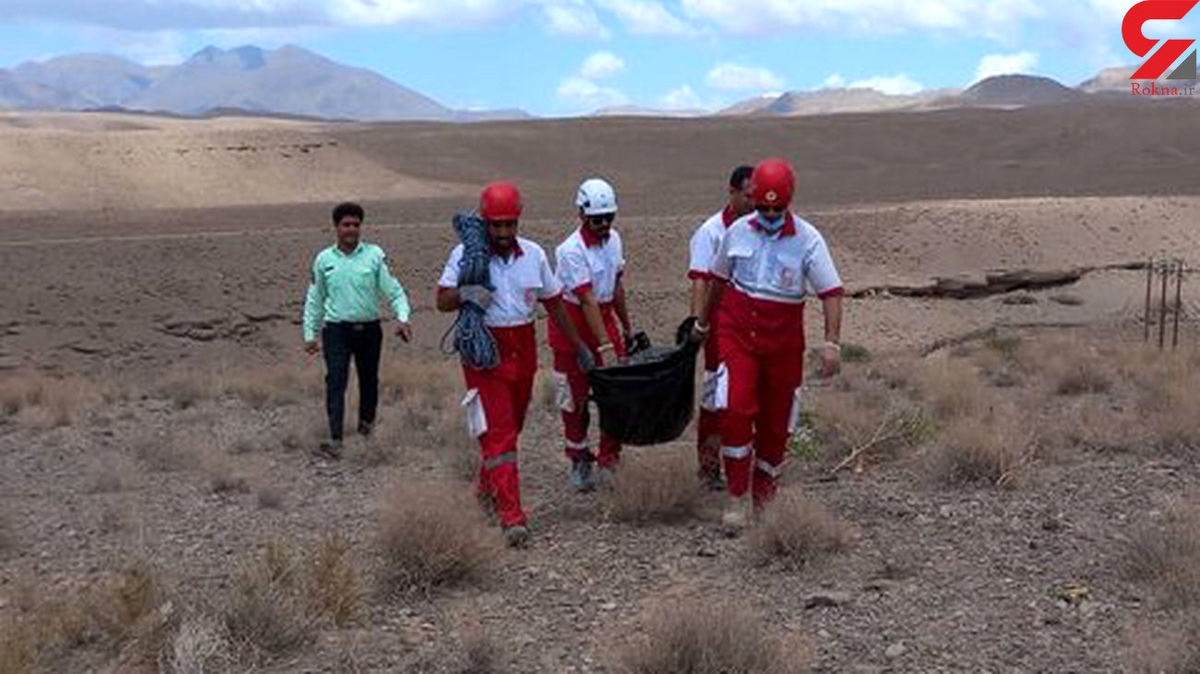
(354, 325)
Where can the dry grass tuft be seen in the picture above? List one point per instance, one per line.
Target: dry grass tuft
(481, 654)
(1173, 648)
(116, 614)
(166, 452)
(1167, 558)
(200, 644)
(867, 417)
(994, 448)
(796, 530)
(6, 533)
(334, 581)
(269, 606)
(40, 401)
(656, 488)
(270, 497)
(432, 534)
(706, 637)
(950, 388)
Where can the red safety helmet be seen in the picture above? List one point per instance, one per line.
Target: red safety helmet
(500, 201)
(773, 182)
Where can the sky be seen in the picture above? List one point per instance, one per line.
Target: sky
(566, 57)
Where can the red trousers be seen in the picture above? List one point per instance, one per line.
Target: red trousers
(573, 401)
(504, 392)
(762, 348)
(708, 427)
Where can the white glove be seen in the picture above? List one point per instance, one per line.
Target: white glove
(477, 295)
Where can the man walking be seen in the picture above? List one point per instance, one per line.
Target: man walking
(704, 245)
(497, 398)
(590, 264)
(349, 279)
(768, 260)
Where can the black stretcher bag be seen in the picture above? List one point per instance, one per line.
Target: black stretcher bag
(649, 400)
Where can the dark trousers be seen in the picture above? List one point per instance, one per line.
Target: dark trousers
(340, 341)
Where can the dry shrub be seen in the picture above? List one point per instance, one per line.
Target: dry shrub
(1167, 402)
(796, 530)
(199, 644)
(272, 387)
(280, 597)
(270, 497)
(1071, 366)
(432, 534)
(427, 394)
(166, 452)
(706, 637)
(868, 416)
(269, 607)
(950, 388)
(305, 433)
(656, 488)
(41, 401)
(119, 613)
(1171, 648)
(334, 580)
(223, 480)
(188, 389)
(6, 534)
(1167, 557)
(993, 448)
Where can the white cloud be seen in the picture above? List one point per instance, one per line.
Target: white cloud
(601, 65)
(1006, 64)
(643, 17)
(584, 94)
(681, 98)
(733, 76)
(573, 18)
(894, 85)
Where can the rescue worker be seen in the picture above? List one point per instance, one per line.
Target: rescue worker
(349, 279)
(590, 264)
(768, 260)
(497, 398)
(705, 242)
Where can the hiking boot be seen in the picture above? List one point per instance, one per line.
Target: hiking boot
(737, 515)
(516, 536)
(329, 449)
(581, 475)
(605, 476)
(365, 427)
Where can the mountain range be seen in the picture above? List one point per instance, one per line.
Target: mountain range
(294, 82)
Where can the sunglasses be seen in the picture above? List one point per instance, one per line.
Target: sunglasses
(605, 218)
(770, 209)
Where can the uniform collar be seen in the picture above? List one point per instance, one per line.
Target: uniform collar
(788, 229)
(516, 250)
(591, 240)
(338, 249)
(728, 217)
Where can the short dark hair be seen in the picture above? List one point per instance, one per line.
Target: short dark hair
(347, 208)
(740, 175)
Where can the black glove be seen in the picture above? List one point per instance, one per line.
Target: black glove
(636, 343)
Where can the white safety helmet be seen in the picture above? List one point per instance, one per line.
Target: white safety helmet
(596, 197)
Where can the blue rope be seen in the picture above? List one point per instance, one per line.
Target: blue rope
(473, 341)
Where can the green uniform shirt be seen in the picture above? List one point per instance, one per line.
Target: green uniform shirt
(349, 288)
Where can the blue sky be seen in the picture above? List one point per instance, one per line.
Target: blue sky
(562, 57)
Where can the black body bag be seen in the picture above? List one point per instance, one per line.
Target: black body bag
(649, 400)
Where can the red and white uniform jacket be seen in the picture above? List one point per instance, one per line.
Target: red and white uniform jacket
(521, 280)
(583, 261)
(770, 276)
(706, 241)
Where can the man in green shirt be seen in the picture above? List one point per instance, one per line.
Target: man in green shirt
(348, 281)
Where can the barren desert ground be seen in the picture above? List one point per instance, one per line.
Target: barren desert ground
(1025, 498)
